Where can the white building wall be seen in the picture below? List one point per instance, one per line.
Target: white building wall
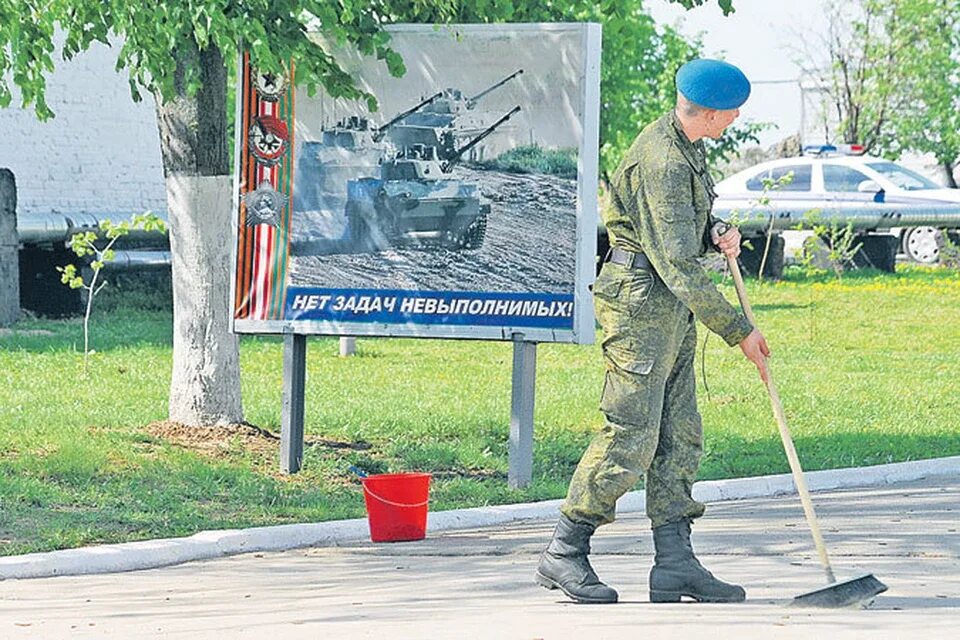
(100, 154)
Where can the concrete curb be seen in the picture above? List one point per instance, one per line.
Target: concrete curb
(149, 554)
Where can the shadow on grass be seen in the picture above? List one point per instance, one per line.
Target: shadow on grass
(780, 306)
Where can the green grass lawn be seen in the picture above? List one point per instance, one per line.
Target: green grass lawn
(868, 370)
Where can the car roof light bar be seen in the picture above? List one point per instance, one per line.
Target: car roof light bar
(834, 149)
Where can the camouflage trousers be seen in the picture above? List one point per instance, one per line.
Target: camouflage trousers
(652, 424)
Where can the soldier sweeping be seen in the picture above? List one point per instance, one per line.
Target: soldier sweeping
(646, 296)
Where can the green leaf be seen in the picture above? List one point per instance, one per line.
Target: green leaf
(639, 59)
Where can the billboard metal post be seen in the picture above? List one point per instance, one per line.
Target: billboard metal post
(340, 231)
(348, 346)
(521, 412)
(294, 378)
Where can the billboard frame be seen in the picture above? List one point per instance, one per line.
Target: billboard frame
(583, 331)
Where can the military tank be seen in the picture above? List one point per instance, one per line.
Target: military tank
(351, 149)
(418, 202)
(445, 122)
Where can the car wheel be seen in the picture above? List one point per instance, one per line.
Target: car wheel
(922, 244)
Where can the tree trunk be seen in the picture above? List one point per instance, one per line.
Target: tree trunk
(205, 385)
(948, 168)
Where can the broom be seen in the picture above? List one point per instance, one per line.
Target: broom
(855, 591)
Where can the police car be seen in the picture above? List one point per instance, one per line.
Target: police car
(834, 175)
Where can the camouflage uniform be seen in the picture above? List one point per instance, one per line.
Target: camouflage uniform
(661, 198)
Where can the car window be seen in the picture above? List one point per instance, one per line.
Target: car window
(837, 177)
(800, 182)
(902, 177)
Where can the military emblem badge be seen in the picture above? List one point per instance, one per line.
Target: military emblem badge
(268, 139)
(270, 86)
(264, 205)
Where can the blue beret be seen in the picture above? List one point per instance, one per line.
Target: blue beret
(713, 84)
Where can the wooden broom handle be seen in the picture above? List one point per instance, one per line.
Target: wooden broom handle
(781, 417)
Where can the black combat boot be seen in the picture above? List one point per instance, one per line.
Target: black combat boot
(677, 572)
(564, 564)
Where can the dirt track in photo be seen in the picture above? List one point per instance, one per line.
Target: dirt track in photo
(529, 246)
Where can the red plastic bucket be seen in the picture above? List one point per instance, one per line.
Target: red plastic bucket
(397, 505)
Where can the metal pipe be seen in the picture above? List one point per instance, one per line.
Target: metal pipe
(138, 261)
(40, 228)
(51, 228)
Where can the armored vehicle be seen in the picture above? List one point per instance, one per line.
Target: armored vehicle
(345, 151)
(445, 122)
(352, 149)
(416, 201)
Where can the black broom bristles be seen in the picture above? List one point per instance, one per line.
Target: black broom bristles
(855, 591)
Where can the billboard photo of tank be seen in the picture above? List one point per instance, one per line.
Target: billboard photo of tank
(417, 201)
(353, 148)
(464, 205)
(412, 196)
(446, 121)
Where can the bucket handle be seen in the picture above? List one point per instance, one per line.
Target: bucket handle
(392, 503)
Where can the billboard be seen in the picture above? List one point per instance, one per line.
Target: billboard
(465, 206)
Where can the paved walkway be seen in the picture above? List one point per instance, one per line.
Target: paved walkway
(478, 584)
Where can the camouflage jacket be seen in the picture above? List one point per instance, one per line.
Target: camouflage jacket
(660, 204)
